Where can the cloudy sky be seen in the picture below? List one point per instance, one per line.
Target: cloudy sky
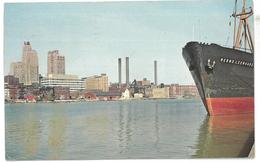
(93, 35)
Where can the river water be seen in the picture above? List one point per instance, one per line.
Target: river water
(136, 129)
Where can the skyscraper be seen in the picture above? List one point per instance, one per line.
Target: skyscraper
(30, 62)
(18, 71)
(56, 63)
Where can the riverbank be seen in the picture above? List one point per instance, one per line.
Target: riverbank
(84, 100)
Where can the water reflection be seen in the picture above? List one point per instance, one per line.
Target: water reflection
(138, 128)
(226, 136)
(124, 131)
(31, 131)
(56, 128)
(23, 137)
(156, 126)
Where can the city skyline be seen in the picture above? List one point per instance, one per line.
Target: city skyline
(26, 70)
(94, 35)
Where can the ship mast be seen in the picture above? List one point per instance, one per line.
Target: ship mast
(242, 33)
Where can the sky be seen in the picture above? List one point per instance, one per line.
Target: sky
(93, 35)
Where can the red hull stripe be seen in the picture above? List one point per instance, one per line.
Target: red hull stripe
(230, 105)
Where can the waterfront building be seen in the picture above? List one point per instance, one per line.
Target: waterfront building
(46, 93)
(11, 92)
(96, 83)
(56, 63)
(160, 92)
(11, 80)
(61, 93)
(104, 96)
(61, 80)
(125, 95)
(75, 94)
(114, 87)
(12, 87)
(17, 70)
(144, 82)
(7, 92)
(177, 90)
(90, 96)
(148, 92)
(31, 91)
(30, 61)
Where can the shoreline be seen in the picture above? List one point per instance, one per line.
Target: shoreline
(81, 101)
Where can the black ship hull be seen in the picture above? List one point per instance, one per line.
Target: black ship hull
(224, 77)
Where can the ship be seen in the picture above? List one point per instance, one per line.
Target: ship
(224, 76)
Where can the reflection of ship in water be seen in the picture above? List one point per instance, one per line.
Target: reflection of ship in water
(226, 136)
(156, 126)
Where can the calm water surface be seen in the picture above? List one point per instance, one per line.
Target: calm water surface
(123, 129)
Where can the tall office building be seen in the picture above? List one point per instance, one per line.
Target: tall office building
(18, 71)
(56, 63)
(26, 70)
(30, 61)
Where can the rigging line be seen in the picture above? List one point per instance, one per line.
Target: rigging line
(229, 32)
(235, 6)
(234, 14)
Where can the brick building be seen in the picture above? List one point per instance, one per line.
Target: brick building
(61, 93)
(177, 90)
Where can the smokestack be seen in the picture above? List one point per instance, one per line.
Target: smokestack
(119, 71)
(155, 72)
(127, 70)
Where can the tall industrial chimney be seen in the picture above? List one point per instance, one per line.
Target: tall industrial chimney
(119, 71)
(155, 72)
(127, 70)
